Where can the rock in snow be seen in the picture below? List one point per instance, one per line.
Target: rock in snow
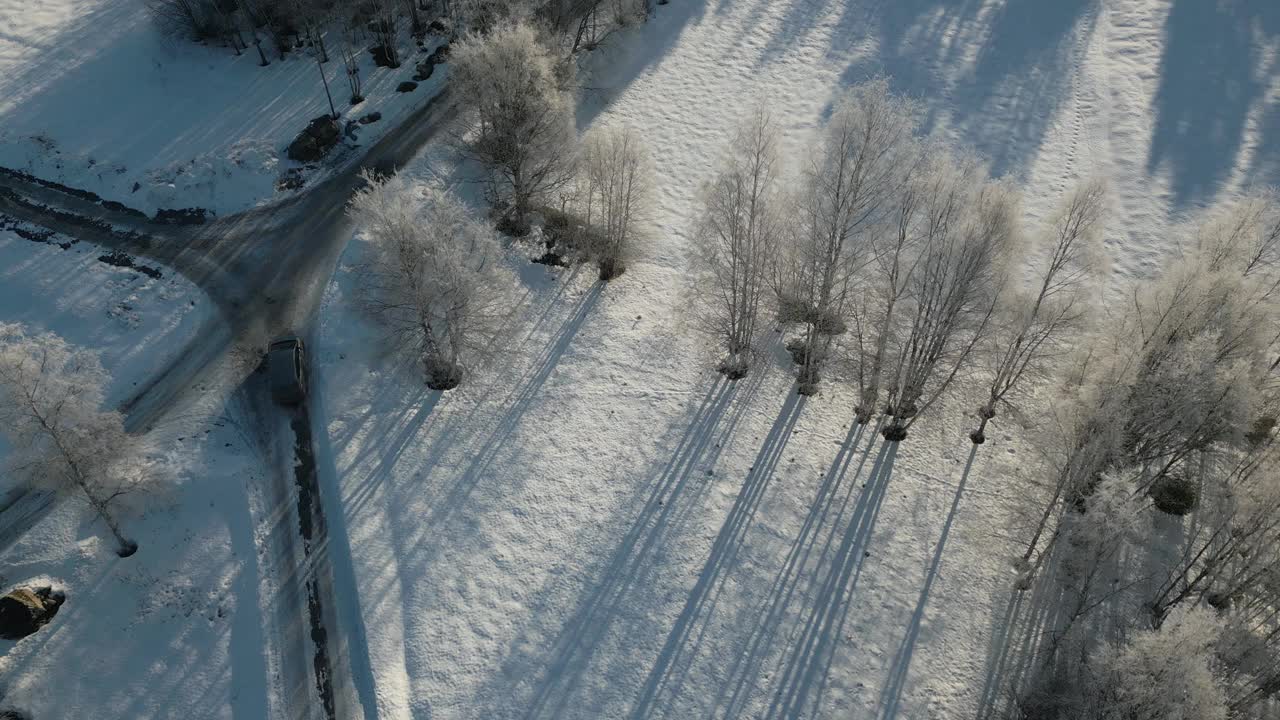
(24, 611)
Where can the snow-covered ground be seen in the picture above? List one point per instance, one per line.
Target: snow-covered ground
(178, 626)
(135, 321)
(92, 96)
(599, 527)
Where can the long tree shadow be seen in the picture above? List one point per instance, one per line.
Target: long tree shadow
(808, 663)
(413, 536)
(516, 405)
(1211, 77)
(1018, 634)
(677, 487)
(764, 630)
(891, 694)
(630, 54)
(667, 673)
(1003, 100)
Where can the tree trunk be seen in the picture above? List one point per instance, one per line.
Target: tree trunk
(126, 547)
(985, 413)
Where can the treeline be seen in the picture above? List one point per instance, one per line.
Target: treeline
(1159, 537)
(286, 25)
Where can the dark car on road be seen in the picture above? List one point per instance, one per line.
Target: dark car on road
(287, 370)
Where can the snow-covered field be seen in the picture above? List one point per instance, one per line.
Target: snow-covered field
(599, 527)
(178, 625)
(92, 96)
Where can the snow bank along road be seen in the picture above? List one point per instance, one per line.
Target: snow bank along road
(265, 271)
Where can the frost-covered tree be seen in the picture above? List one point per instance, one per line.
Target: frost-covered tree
(436, 280)
(1178, 372)
(1166, 674)
(1234, 544)
(60, 437)
(879, 302)
(969, 231)
(1080, 439)
(844, 193)
(1173, 420)
(615, 188)
(1032, 328)
(520, 117)
(737, 240)
(1198, 368)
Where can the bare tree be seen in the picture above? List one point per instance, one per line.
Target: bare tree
(883, 287)
(968, 234)
(1031, 330)
(521, 125)
(383, 23)
(737, 240)
(51, 413)
(351, 66)
(436, 280)
(310, 16)
(590, 22)
(844, 193)
(615, 189)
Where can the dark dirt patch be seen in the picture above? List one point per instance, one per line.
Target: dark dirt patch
(124, 260)
(382, 58)
(26, 232)
(182, 216)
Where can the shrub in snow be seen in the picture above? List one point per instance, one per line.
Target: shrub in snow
(520, 119)
(1261, 429)
(315, 140)
(1174, 494)
(436, 280)
(59, 435)
(566, 237)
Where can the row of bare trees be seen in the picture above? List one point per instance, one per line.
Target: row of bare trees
(895, 258)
